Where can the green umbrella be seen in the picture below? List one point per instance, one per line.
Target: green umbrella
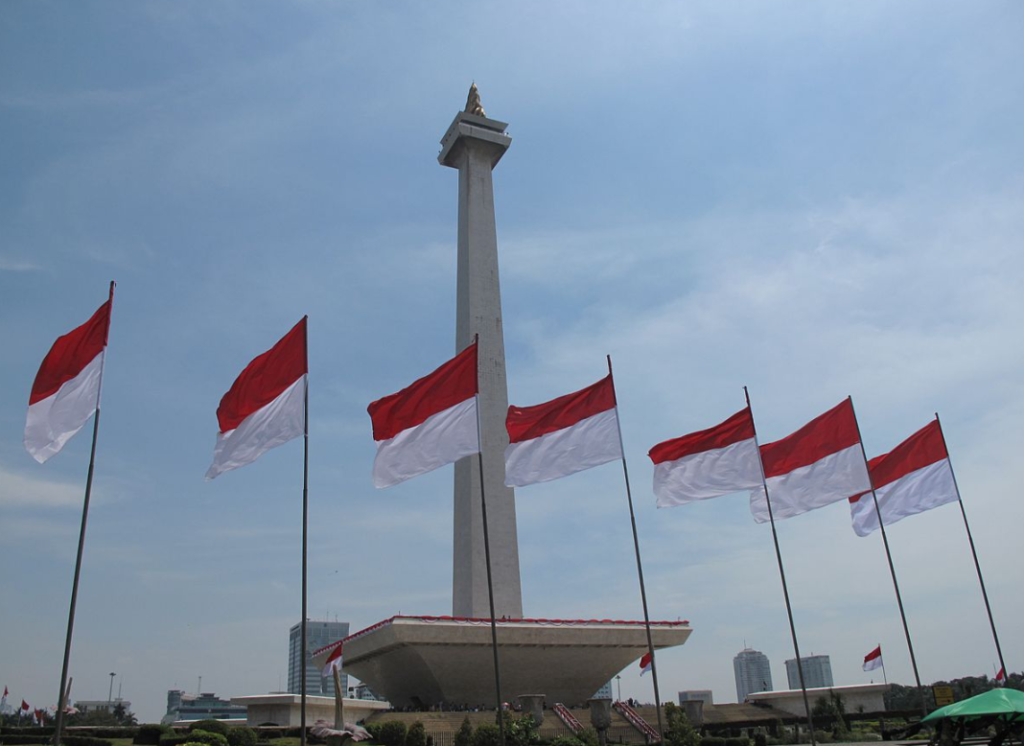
(1009, 702)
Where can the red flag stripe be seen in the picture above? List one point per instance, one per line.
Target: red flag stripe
(737, 428)
(265, 378)
(876, 653)
(923, 448)
(527, 423)
(451, 384)
(70, 354)
(829, 433)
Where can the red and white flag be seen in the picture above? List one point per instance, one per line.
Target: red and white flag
(563, 436)
(265, 406)
(873, 659)
(645, 663)
(710, 463)
(913, 477)
(66, 390)
(24, 707)
(429, 424)
(819, 464)
(333, 662)
(1001, 677)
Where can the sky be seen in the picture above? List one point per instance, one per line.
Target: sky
(813, 200)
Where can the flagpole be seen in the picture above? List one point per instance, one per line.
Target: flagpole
(970, 539)
(61, 699)
(639, 564)
(892, 567)
(305, 524)
(782, 573)
(487, 555)
(881, 657)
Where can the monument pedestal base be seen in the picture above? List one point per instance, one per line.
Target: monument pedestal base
(425, 661)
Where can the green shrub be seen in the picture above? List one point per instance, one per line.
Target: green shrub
(210, 726)
(149, 735)
(391, 733)
(417, 735)
(173, 739)
(712, 741)
(589, 737)
(737, 741)
(241, 735)
(464, 735)
(207, 738)
(566, 741)
(487, 735)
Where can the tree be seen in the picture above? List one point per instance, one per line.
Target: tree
(679, 730)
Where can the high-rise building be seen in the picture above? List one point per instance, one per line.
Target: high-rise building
(605, 692)
(318, 634)
(817, 671)
(753, 673)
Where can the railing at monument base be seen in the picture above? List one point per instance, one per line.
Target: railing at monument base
(637, 722)
(568, 718)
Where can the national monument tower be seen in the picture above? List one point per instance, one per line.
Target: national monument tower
(426, 660)
(474, 144)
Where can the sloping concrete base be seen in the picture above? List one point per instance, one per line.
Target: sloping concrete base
(429, 660)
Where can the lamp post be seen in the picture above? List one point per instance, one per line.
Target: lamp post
(618, 682)
(110, 694)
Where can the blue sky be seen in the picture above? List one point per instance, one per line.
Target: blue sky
(813, 200)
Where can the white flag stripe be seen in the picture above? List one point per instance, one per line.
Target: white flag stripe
(53, 421)
(701, 476)
(828, 480)
(266, 428)
(590, 442)
(909, 495)
(440, 439)
(872, 664)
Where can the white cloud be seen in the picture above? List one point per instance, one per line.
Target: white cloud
(19, 490)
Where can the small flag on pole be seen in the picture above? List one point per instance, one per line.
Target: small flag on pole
(1001, 677)
(24, 707)
(265, 406)
(65, 392)
(428, 424)
(709, 463)
(913, 477)
(333, 662)
(645, 664)
(566, 435)
(873, 659)
(819, 464)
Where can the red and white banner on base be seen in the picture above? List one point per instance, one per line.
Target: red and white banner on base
(429, 424)
(566, 435)
(913, 477)
(265, 407)
(66, 390)
(819, 464)
(706, 464)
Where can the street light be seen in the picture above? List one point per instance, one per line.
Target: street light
(618, 680)
(110, 694)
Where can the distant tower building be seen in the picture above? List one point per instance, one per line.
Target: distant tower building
(817, 671)
(753, 673)
(318, 634)
(697, 695)
(605, 692)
